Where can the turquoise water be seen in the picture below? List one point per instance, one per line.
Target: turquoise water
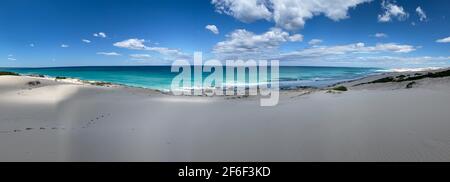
(160, 77)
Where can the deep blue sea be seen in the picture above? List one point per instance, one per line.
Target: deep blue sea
(160, 77)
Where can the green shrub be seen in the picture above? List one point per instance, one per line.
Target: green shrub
(3, 73)
(340, 88)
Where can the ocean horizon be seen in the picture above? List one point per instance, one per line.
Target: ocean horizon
(160, 77)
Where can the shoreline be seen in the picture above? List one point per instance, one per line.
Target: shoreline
(295, 81)
(373, 76)
(349, 84)
(112, 84)
(63, 121)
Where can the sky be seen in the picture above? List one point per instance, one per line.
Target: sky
(356, 33)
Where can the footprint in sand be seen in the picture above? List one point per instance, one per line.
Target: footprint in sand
(29, 129)
(92, 122)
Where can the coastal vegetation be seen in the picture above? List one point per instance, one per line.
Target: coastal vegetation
(404, 78)
(60, 77)
(4, 73)
(340, 88)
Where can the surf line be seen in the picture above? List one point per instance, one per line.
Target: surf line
(241, 78)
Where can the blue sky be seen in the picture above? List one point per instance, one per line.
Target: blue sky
(401, 33)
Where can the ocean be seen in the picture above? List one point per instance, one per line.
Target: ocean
(160, 77)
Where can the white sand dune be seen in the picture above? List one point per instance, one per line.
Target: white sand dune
(58, 121)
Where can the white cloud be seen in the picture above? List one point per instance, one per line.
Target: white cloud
(372, 61)
(380, 35)
(174, 53)
(243, 41)
(212, 28)
(288, 14)
(295, 38)
(109, 53)
(138, 44)
(100, 34)
(443, 40)
(359, 54)
(402, 61)
(140, 57)
(244, 10)
(86, 41)
(421, 14)
(356, 48)
(11, 57)
(64, 45)
(314, 42)
(393, 47)
(391, 11)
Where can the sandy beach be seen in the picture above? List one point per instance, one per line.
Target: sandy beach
(70, 121)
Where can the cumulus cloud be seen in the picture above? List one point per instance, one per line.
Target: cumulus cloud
(443, 40)
(64, 45)
(109, 53)
(100, 34)
(242, 41)
(139, 44)
(421, 14)
(212, 28)
(287, 14)
(380, 35)
(391, 11)
(314, 42)
(86, 41)
(244, 10)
